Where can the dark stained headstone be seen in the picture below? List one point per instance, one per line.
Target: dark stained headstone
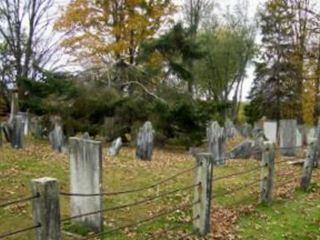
(17, 139)
(145, 141)
(230, 129)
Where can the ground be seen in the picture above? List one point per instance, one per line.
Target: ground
(292, 215)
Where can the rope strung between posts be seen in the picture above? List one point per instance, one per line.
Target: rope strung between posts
(21, 200)
(11, 233)
(145, 200)
(287, 181)
(237, 189)
(132, 190)
(136, 224)
(237, 174)
(174, 227)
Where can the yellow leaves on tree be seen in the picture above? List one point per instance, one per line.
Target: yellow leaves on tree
(102, 29)
(308, 101)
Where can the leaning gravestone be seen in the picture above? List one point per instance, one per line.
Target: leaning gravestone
(243, 150)
(145, 142)
(216, 139)
(230, 129)
(86, 178)
(115, 147)
(17, 137)
(270, 130)
(7, 130)
(56, 138)
(288, 137)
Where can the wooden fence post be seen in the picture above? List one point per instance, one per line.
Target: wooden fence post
(267, 172)
(46, 208)
(203, 177)
(308, 165)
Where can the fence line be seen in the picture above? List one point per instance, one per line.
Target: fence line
(145, 200)
(132, 190)
(136, 224)
(21, 200)
(11, 233)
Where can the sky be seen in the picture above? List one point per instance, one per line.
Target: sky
(222, 6)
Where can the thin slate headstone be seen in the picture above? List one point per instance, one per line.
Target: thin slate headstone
(25, 117)
(17, 140)
(216, 139)
(115, 147)
(270, 130)
(288, 137)
(145, 141)
(56, 138)
(86, 178)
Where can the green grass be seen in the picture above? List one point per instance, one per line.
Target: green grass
(293, 213)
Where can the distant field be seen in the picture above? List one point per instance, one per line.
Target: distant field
(294, 215)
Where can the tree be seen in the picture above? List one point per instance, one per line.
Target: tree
(111, 30)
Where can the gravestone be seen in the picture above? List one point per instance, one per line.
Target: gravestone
(86, 178)
(311, 135)
(145, 142)
(86, 136)
(56, 138)
(17, 137)
(7, 130)
(115, 147)
(216, 142)
(230, 129)
(270, 130)
(25, 117)
(299, 138)
(288, 137)
(243, 150)
(14, 104)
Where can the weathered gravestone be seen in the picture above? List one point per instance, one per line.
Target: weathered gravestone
(17, 132)
(56, 137)
(7, 130)
(299, 138)
(86, 136)
(288, 137)
(14, 104)
(230, 129)
(216, 140)
(270, 130)
(115, 147)
(145, 142)
(311, 134)
(243, 150)
(25, 119)
(86, 178)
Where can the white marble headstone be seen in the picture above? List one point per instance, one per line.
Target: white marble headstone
(270, 130)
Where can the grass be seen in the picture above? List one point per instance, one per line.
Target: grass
(293, 215)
